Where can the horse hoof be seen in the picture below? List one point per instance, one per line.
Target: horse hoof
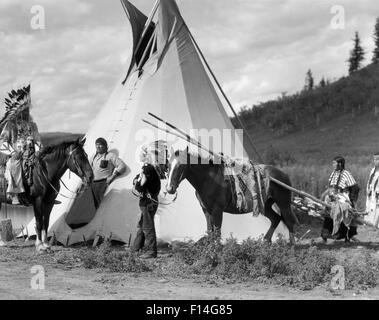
(47, 247)
(40, 248)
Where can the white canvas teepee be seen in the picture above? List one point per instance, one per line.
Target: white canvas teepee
(166, 77)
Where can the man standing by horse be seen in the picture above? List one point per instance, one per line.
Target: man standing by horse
(106, 166)
(148, 183)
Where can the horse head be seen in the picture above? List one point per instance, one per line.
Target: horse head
(177, 165)
(77, 161)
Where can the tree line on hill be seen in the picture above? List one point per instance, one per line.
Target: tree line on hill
(315, 103)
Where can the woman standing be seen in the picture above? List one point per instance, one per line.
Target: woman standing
(342, 187)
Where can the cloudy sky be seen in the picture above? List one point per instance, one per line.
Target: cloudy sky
(257, 49)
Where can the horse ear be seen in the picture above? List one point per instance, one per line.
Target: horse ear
(82, 141)
(170, 152)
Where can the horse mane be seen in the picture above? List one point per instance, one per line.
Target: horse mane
(58, 149)
(193, 151)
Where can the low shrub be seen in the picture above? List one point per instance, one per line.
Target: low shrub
(256, 259)
(276, 263)
(116, 261)
(361, 272)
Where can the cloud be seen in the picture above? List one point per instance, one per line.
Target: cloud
(276, 42)
(257, 49)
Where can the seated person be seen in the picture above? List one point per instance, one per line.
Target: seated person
(13, 175)
(28, 158)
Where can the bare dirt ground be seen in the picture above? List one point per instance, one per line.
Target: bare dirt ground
(73, 281)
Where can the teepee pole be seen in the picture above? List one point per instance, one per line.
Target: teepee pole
(126, 11)
(146, 27)
(186, 137)
(164, 130)
(179, 136)
(151, 40)
(193, 141)
(189, 138)
(224, 95)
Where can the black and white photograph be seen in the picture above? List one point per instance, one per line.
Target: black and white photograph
(170, 151)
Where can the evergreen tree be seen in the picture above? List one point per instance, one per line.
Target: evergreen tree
(375, 58)
(309, 81)
(322, 83)
(356, 55)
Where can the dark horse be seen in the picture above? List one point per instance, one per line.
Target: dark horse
(215, 193)
(50, 165)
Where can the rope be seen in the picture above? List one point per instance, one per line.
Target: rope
(74, 192)
(55, 190)
(138, 195)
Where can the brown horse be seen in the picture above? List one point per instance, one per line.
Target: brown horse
(215, 193)
(50, 165)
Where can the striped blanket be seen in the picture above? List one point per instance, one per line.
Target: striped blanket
(249, 185)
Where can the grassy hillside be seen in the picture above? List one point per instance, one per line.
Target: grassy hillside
(314, 126)
(303, 132)
(50, 138)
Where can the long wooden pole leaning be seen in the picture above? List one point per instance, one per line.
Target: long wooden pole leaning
(358, 217)
(188, 137)
(164, 130)
(301, 193)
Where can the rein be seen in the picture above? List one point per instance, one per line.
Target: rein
(138, 195)
(55, 190)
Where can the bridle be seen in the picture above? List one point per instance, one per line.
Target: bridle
(180, 178)
(78, 168)
(80, 171)
(138, 195)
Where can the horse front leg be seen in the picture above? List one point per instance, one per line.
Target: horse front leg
(46, 210)
(208, 219)
(214, 218)
(37, 206)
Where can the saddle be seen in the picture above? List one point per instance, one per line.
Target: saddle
(248, 186)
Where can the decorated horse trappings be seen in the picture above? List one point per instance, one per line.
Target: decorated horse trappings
(33, 174)
(19, 143)
(249, 184)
